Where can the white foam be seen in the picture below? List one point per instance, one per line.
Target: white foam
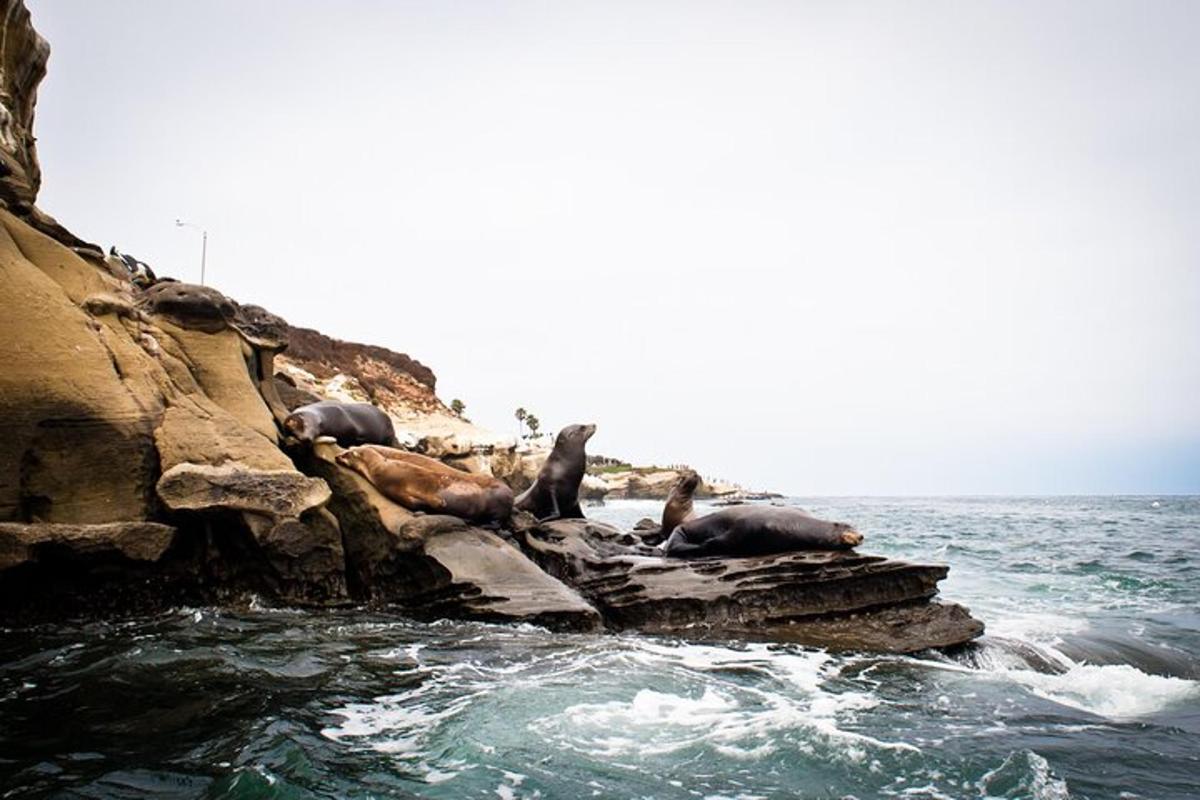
(1024, 775)
(733, 718)
(1117, 691)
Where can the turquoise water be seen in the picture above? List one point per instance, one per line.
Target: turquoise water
(1086, 686)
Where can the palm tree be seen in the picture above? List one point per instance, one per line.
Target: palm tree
(522, 415)
(533, 424)
(458, 406)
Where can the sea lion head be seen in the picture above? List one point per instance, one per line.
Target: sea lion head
(574, 436)
(352, 458)
(687, 483)
(302, 425)
(846, 535)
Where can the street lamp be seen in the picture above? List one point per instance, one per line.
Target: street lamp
(203, 244)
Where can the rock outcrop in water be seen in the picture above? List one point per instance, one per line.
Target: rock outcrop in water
(143, 464)
(844, 600)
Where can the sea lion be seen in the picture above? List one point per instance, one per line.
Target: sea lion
(678, 509)
(139, 271)
(754, 530)
(555, 492)
(350, 423)
(421, 483)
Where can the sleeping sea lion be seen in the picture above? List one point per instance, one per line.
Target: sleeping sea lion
(754, 530)
(555, 492)
(421, 483)
(350, 423)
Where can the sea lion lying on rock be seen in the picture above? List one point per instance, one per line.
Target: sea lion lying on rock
(753, 530)
(350, 423)
(421, 483)
(555, 492)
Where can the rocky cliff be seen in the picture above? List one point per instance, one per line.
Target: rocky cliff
(144, 465)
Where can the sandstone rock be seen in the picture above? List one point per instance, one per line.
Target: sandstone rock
(22, 67)
(444, 447)
(469, 573)
(199, 434)
(436, 565)
(592, 488)
(275, 493)
(292, 396)
(189, 306)
(264, 330)
(845, 599)
(222, 369)
(77, 408)
(283, 511)
(104, 303)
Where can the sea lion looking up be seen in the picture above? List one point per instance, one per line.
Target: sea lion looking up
(555, 492)
(421, 483)
(350, 423)
(753, 530)
(678, 509)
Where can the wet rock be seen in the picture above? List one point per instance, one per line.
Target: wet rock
(127, 541)
(48, 570)
(834, 599)
(282, 509)
(305, 554)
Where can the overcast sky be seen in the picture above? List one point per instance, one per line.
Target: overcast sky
(823, 248)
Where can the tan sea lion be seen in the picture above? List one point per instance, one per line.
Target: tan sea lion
(420, 483)
(679, 502)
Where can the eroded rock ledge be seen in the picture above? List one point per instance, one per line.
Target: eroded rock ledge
(845, 599)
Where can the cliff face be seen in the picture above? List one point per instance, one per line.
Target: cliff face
(322, 365)
(122, 407)
(23, 56)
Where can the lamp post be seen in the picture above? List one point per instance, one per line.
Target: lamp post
(203, 244)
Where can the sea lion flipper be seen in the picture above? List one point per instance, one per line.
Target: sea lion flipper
(555, 511)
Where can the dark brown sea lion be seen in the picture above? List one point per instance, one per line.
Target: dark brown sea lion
(350, 423)
(555, 493)
(421, 483)
(754, 530)
(678, 509)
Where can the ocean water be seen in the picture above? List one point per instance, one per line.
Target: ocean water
(1087, 685)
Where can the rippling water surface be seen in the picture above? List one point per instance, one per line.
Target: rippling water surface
(1087, 686)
